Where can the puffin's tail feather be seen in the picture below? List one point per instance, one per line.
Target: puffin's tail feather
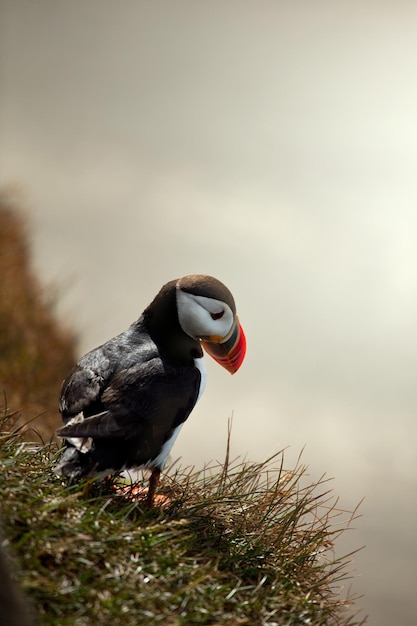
(74, 464)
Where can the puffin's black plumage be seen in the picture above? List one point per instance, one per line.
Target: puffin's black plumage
(123, 402)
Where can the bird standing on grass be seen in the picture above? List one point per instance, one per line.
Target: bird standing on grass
(125, 402)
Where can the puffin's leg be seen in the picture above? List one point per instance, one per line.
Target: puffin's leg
(153, 484)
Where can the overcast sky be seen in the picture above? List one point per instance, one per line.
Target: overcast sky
(273, 145)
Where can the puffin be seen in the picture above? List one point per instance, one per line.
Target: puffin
(125, 402)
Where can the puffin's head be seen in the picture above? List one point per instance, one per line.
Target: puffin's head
(207, 311)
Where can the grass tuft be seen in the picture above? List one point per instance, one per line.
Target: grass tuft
(239, 543)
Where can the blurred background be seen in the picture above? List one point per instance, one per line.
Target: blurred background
(272, 144)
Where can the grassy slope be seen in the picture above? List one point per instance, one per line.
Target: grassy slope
(242, 543)
(36, 353)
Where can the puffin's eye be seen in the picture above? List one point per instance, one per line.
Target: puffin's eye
(216, 316)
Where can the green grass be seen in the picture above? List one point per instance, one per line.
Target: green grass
(239, 543)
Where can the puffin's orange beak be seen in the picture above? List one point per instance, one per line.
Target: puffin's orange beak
(229, 352)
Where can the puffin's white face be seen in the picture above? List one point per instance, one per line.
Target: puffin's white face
(204, 318)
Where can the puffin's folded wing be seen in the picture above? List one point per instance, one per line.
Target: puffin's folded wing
(101, 426)
(82, 389)
(144, 398)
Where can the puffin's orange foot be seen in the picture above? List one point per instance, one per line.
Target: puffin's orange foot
(135, 493)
